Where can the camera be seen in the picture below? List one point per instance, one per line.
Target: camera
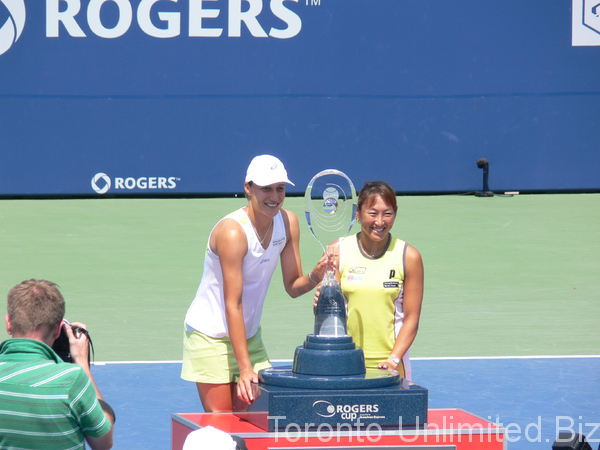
(62, 347)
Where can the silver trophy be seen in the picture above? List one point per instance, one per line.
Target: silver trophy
(330, 209)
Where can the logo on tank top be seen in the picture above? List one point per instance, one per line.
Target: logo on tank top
(351, 277)
(356, 273)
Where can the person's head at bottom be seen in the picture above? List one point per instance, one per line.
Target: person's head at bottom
(48, 403)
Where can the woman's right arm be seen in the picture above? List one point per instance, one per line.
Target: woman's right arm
(229, 242)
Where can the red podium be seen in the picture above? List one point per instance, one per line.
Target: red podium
(446, 429)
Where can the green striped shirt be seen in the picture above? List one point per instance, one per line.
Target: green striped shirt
(45, 403)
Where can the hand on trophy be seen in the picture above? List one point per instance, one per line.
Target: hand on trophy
(318, 273)
(389, 364)
(331, 265)
(247, 386)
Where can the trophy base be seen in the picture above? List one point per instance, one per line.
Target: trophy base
(330, 402)
(288, 378)
(329, 386)
(328, 356)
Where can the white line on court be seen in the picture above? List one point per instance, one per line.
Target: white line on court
(427, 358)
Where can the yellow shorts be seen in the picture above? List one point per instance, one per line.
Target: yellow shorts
(211, 360)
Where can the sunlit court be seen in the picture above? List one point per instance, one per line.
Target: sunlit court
(507, 332)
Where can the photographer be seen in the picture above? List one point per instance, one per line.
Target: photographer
(44, 401)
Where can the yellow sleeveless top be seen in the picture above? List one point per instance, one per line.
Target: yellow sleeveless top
(374, 291)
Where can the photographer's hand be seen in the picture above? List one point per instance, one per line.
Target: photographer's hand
(79, 347)
(78, 344)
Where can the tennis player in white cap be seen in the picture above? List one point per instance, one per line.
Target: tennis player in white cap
(222, 326)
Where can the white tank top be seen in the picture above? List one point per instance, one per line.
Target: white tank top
(206, 314)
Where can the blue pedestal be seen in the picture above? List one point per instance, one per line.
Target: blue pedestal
(329, 386)
(402, 405)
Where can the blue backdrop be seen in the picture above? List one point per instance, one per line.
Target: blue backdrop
(113, 97)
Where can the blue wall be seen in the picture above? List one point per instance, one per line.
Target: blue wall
(413, 92)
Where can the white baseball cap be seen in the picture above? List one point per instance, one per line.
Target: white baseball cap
(265, 170)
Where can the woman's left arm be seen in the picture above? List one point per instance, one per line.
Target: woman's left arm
(295, 282)
(413, 298)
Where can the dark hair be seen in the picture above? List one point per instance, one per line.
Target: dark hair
(35, 305)
(372, 189)
(250, 184)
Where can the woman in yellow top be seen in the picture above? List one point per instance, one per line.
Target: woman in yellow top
(382, 279)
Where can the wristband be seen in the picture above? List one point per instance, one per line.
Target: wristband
(311, 279)
(395, 359)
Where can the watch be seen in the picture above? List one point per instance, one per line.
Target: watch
(394, 358)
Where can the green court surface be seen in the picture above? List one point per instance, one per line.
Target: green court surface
(504, 276)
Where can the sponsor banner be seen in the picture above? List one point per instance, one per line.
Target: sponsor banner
(103, 184)
(144, 97)
(57, 146)
(153, 47)
(287, 47)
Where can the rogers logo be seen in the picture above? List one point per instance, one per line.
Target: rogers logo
(79, 18)
(13, 27)
(101, 183)
(324, 408)
(105, 183)
(170, 22)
